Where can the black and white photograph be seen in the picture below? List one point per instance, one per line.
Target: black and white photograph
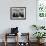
(18, 13)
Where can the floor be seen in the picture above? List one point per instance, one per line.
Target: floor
(13, 44)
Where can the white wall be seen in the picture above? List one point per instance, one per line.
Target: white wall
(24, 25)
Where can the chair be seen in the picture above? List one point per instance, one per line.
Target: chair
(7, 35)
(14, 32)
(26, 41)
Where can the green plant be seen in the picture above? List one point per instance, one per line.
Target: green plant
(39, 35)
(35, 26)
(40, 27)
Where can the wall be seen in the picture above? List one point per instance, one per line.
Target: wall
(24, 25)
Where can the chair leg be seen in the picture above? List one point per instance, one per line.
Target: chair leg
(5, 39)
(5, 43)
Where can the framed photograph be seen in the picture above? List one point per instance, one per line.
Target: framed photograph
(18, 13)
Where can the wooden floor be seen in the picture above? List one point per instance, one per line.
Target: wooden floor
(13, 44)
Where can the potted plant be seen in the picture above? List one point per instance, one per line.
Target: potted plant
(39, 35)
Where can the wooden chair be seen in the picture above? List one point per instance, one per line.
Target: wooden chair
(27, 43)
(8, 34)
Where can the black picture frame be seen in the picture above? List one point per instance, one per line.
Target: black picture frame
(18, 13)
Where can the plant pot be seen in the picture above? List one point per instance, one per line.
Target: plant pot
(40, 41)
